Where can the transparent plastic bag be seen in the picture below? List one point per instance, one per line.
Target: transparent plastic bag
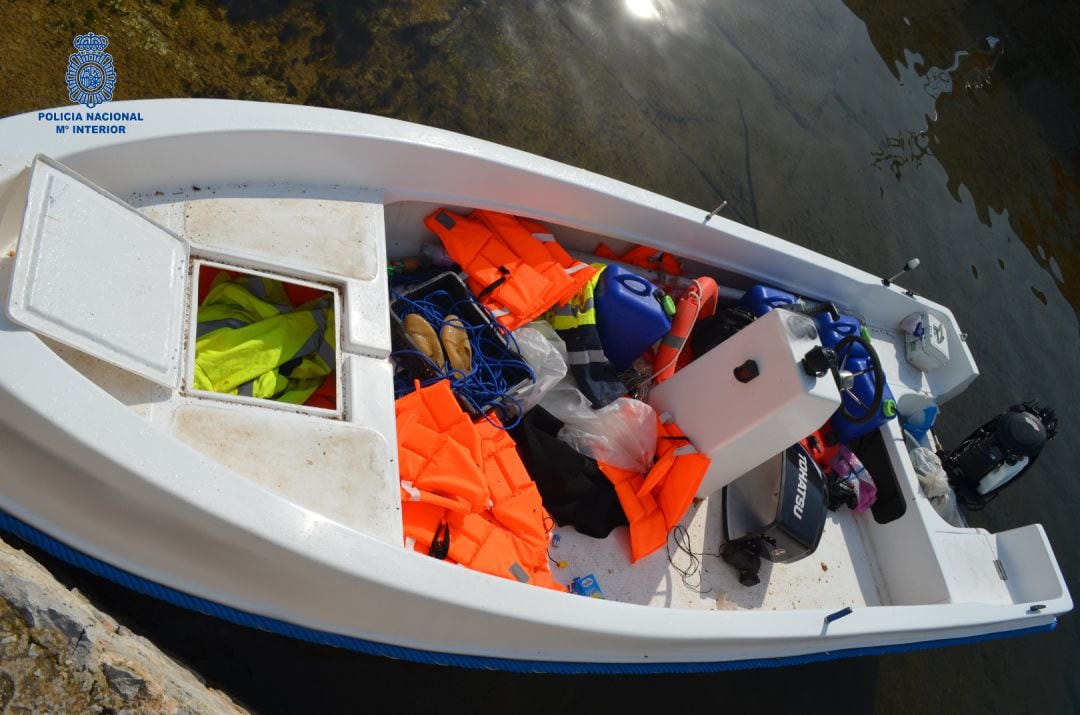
(544, 328)
(948, 509)
(544, 356)
(622, 434)
(932, 477)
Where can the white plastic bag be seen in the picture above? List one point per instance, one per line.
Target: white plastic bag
(544, 356)
(544, 328)
(934, 483)
(622, 434)
(931, 474)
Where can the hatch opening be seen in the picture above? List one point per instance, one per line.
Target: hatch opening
(263, 339)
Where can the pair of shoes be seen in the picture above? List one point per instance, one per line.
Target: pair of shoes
(455, 341)
(452, 337)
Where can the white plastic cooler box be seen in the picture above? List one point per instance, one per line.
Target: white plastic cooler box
(926, 341)
(739, 422)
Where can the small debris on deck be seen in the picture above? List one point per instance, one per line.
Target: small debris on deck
(723, 604)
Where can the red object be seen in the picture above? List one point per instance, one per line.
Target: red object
(823, 445)
(207, 274)
(325, 396)
(298, 294)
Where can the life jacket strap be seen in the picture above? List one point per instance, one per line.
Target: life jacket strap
(492, 286)
(440, 545)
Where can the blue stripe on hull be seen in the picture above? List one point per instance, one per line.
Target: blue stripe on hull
(78, 559)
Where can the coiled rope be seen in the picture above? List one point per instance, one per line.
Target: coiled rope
(497, 368)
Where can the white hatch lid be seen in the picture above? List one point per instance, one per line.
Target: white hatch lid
(95, 274)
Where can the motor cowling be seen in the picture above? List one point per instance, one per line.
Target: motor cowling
(777, 511)
(998, 452)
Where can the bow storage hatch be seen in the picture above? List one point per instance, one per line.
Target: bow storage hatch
(93, 273)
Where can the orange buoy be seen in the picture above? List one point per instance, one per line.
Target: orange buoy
(699, 301)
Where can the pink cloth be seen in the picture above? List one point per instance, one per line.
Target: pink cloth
(847, 465)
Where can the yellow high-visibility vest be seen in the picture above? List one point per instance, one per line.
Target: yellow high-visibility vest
(575, 322)
(251, 341)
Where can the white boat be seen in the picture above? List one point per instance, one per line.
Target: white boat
(289, 520)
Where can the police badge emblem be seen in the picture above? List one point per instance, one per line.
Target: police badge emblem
(91, 76)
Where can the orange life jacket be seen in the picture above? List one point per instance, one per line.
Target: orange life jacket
(643, 257)
(514, 265)
(656, 502)
(466, 496)
(439, 452)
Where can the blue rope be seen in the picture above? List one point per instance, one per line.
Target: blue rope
(497, 367)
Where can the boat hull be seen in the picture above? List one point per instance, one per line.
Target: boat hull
(92, 481)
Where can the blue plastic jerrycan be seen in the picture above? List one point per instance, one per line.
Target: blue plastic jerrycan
(848, 431)
(760, 299)
(629, 315)
(831, 331)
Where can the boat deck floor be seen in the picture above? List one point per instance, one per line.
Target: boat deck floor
(839, 573)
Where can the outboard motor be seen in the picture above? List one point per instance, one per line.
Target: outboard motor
(996, 454)
(776, 511)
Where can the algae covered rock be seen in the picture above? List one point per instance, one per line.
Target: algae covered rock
(58, 653)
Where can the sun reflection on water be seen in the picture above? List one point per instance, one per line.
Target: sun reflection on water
(643, 9)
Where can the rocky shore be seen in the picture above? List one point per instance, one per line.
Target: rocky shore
(58, 653)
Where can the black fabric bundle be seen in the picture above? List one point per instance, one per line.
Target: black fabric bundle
(574, 490)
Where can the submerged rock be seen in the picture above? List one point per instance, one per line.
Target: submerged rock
(58, 653)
